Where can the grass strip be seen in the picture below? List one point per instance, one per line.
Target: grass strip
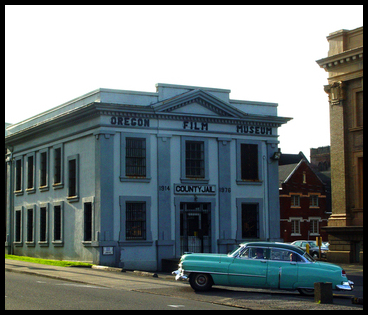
(61, 263)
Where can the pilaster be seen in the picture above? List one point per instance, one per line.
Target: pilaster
(165, 244)
(225, 242)
(104, 195)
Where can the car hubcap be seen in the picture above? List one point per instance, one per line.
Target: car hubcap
(201, 280)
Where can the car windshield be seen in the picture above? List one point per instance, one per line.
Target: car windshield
(308, 257)
(235, 251)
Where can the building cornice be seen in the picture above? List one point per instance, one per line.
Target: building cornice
(346, 57)
(146, 112)
(96, 109)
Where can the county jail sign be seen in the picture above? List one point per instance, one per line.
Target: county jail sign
(195, 189)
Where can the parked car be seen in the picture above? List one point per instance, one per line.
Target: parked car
(313, 248)
(261, 265)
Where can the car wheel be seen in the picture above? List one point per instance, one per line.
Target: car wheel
(200, 281)
(308, 292)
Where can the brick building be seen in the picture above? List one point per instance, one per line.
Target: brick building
(303, 203)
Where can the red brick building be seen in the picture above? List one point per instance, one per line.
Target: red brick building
(303, 203)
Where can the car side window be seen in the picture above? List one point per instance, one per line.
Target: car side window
(284, 255)
(245, 253)
(259, 253)
(255, 253)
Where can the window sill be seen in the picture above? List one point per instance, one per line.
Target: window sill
(135, 179)
(44, 188)
(58, 186)
(135, 243)
(189, 180)
(30, 191)
(58, 243)
(249, 182)
(72, 199)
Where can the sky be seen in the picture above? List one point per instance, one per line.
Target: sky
(261, 53)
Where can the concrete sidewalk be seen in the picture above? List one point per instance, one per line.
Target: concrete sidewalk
(165, 284)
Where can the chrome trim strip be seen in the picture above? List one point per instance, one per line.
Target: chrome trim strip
(226, 274)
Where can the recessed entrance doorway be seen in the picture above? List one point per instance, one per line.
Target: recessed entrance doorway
(195, 227)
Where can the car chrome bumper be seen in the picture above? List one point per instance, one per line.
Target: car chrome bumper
(346, 286)
(179, 275)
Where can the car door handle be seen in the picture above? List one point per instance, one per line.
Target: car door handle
(263, 261)
(293, 263)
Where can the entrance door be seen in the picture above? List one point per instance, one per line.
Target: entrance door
(195, 227)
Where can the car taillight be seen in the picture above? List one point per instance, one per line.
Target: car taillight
(343, 273)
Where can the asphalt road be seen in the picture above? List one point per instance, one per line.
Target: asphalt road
(29, 292)
(138, 290)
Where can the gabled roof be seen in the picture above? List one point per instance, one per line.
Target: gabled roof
(211, 105)
(291, 158)
(287, 171)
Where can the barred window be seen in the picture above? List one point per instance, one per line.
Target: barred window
(30, 225)
(250, 220)
(18, 175)
(194, 159)
(43, 169)
(57, 223)
(30, 172)
(72, 178)
(135, 221)
(249, 161)
(43, 224)
(57, 166)
(88, 228)
(135, 157)
(18, 226)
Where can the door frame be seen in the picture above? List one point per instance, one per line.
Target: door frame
(194, 199)
(186, 217)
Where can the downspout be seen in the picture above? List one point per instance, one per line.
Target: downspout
(10, 204)
(265, 198)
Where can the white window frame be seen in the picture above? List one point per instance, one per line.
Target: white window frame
(297, 221)
(123, 176)
(297, 197)
(311, 200)
(314, 219)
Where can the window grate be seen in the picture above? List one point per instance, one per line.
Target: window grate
(135, 221)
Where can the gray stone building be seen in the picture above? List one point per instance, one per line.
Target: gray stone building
(129, 179)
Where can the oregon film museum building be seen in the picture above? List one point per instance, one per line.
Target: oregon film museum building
(131, 179)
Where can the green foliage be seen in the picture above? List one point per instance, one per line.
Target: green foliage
(62, 263)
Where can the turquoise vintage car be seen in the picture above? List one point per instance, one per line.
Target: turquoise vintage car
(261, 265)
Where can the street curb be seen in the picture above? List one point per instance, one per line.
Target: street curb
(107, 268)
(145, 273)
(135, 272)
